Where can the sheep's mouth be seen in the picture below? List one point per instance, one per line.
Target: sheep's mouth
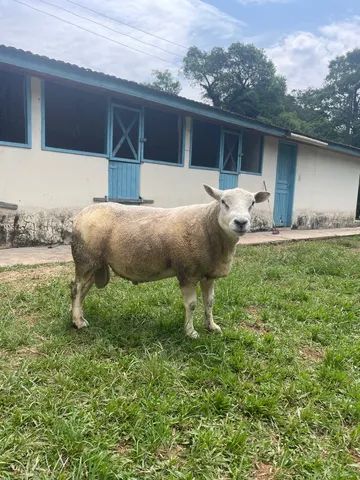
(240, 231)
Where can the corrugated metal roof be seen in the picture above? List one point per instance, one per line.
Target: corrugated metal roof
(66, 66)
(58, 68)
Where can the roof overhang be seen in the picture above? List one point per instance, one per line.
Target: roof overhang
(48, 68)
(42, 66)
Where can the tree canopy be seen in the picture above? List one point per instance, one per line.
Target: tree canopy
(164, 81)
(241, 79)
(341, 96)
(332, 111)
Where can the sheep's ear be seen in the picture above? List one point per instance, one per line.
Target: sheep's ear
(261, 196)
(213, 192)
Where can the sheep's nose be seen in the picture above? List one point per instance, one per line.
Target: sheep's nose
(240, 222)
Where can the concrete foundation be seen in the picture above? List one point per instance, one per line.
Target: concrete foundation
(44, 227)
(316, 220)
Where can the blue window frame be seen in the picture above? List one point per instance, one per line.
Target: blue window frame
(74, 120)
(163, 137)
(231, 147)
(125, 134)
(15, 110)
(252, 152)
(205, 145)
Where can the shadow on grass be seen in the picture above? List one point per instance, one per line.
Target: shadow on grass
(125, 317)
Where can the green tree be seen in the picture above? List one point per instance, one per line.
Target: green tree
(342, 96)
(164, 81)
(241, 79)
(306, 111)
(332, 111)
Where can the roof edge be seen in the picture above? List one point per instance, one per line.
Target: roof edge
(42, 65)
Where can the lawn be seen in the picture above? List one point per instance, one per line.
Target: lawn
(277, 396)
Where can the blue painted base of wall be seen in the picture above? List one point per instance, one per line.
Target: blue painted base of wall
(227, 180)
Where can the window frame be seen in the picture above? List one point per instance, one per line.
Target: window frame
(27, 109)
(261, 153)
(213, 169)
(181, 154)
(238, 134)
(110, 155)
(66, 150)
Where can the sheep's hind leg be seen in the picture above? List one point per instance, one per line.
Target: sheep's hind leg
(79, 290)
(207, 289)
(189, 296)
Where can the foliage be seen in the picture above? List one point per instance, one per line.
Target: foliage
(342, 96)
(241, 79)
(307, 114)
(165, 81)
(333, 111)
(276, 396)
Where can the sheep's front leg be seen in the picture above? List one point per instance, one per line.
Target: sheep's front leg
(79, 289)
(207, 289)
(189, 296)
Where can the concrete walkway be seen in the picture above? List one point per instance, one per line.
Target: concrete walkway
(34, 255)
(288, 235)
(62, 253)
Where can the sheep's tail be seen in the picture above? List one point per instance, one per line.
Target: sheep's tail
(102, 276)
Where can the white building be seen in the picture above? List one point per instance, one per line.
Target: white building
(70, 137)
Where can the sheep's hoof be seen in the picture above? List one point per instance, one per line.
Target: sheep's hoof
(214, 328)
(193, 334)
(80, 323)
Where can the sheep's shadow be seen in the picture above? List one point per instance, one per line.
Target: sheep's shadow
(144, 331)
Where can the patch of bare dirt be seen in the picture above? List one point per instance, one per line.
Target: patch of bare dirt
(175, 452)
(29, 278)
(29, 319)
(123, 447)
(14, 358)
(254, 311)
(257, 325)
(29, 351)
(313, 354)
(264, 471)
(355, 455)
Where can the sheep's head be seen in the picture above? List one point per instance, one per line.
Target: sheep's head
(235, 208)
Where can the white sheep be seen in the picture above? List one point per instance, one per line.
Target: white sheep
(194, 243)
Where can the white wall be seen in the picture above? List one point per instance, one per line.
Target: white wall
(326, 183)
(171, 186)
(175, 186)
(39, 179)
(254, 183)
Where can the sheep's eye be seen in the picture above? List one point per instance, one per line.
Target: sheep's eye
(225, 204)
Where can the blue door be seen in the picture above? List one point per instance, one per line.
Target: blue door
(285, 180)
(125, 153)
(230, 151)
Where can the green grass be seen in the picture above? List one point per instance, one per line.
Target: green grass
(277, 396)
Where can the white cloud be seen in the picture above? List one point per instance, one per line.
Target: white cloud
(261, 2)
(303, 57)
(186, 22)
